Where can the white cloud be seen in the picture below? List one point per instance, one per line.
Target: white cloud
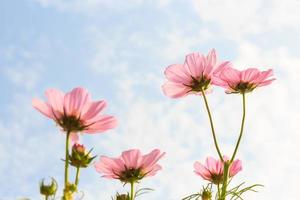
(240, 18)
(23, 76)
(91, 7)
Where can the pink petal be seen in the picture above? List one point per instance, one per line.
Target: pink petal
(263, 79)
(132, 158)
(219, 167)
(211, 165)
(55, 98)
(217, 80)
(74, 137)
(249, 75)
(151, 159)
(202, 171)
(153, 170)
(175, 90)
(230, 75)
(104, 123)
(235, 167)
(176, 73)
(92, 110)
(110, 167)
(211, 58)
(208, 71)
(43, 108)
(194, 64)
(268, 82)
(75, 100)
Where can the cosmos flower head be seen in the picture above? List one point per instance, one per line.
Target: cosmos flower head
(195, 76)
(75, 111)
(131, 166)
(213, 169)
(244, 81)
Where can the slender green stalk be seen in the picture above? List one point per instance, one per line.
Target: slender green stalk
(132, 191)
(227, 164)
(225, 180)
(77, 176)
(212, 125)
(46, 197)
(67, 160)
(242, 128)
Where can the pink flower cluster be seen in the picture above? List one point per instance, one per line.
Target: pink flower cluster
(199, 72)
(75, 112)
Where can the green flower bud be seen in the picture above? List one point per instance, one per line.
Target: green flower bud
(206, 194)
(122, 196)
(48, 190)
(79, 157)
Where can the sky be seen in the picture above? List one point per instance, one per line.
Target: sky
(118, 50)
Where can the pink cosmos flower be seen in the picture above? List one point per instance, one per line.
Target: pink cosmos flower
(75, 111)
(236, 81)
(131, 166)
(195, 75)
(213, 169)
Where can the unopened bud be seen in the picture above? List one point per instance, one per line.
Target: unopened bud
(79, 156)
(122, 197)
(206, 195)
(50, 189)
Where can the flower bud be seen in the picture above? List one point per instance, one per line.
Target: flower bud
(206, 195)
(122, 196)
(48, 190)
(79, 156)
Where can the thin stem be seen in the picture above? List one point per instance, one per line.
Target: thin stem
(67, 159)
(211, 125)
(227, 164)
(225, 178)
(242, 128)
(132, 191)
(46, 197)
(77, 176)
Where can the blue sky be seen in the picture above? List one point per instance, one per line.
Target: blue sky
(118, 50)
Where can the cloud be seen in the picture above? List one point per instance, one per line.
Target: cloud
(26, 78)
(91, 7)
(238, 19)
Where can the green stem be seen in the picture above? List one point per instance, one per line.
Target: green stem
(132, 191)
(77, 176)
(46, 197)
(242, 129)
(225, 179)
(212, 125)
(67, 160)
(227, 164)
